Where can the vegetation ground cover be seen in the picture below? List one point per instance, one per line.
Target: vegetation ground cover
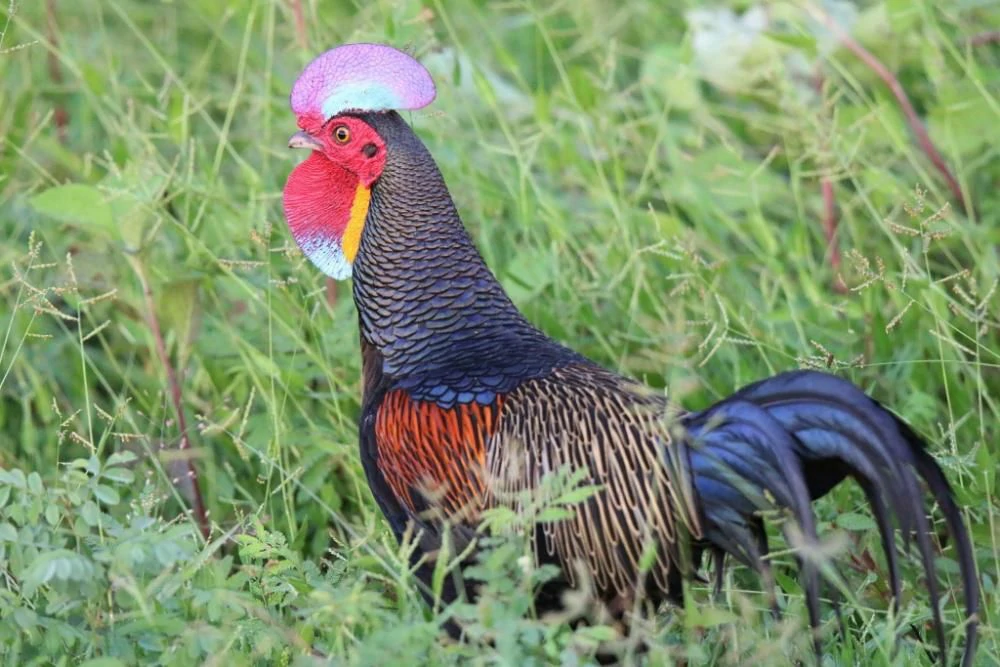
(654, 183)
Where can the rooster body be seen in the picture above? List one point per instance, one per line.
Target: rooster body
(466, 404)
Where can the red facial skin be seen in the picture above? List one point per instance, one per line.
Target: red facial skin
(320, 191)
(349, 155)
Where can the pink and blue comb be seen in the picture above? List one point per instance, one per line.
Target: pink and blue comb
(361, 77)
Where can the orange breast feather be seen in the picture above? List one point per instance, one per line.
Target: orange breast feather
(434, 457)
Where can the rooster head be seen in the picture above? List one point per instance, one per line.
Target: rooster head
(326, 197)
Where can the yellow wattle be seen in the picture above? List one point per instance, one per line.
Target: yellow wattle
(351, 239)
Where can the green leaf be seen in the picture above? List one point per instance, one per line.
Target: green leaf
(947, 566)
(555, 514)
(14, 478)
(90, 513)
(94, 465)
(251, 547)
(168, 552)
(121, 458)
(852, 521)
(77, 464)
(8, 533)
(75, 203)
(52, 514)
(35, 483)
(579, 494)
(25, 618)
(106, 494)
(103, 662)
(138, 194)
(598, 633)
(648, 558)
(59, 565)
(122, 475)
(707, 617)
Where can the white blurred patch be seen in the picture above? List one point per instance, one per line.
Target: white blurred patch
(734, 51)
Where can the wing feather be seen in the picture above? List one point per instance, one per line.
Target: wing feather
(582, 416)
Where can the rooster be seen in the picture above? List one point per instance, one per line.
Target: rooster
(466, 403)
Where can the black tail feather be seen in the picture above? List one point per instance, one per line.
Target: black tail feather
(882, 520)
(942, 492)
(739, 454)
(796, 436)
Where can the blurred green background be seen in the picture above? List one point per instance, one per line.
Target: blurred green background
(652, 182)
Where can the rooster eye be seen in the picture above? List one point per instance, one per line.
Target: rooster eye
(341, 134)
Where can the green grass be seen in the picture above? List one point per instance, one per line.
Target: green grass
(646, 196)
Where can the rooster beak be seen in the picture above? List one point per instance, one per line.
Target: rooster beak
(303, 139)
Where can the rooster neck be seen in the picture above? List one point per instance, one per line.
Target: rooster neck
(426, 299)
